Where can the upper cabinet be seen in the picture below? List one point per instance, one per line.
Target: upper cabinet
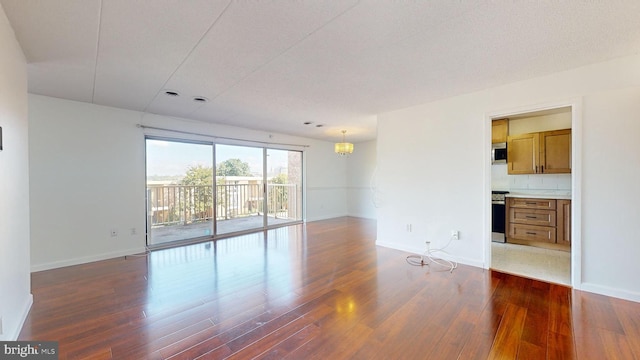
(523, 153)
(499, 131)
(555, 152)
(546, 152)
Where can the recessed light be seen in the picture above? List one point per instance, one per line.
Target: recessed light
(171, 93)
(319, 125)
(200, 99)
(308, 122)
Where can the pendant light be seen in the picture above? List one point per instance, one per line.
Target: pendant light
(343, 148)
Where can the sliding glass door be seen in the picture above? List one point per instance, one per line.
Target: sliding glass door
(239, 188)
(249, 188)
(284, 186)
(179, 190)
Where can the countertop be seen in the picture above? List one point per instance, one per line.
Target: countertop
(561, 195)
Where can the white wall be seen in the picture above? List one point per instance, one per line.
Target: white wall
(88, 177)
(611, 179)
(443, 147)
(361, 167)
(325, 181)
(15, 283)
(430, 176)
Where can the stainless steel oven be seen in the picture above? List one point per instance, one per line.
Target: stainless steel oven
(498, 216)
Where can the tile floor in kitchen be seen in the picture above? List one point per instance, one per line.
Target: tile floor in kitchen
(532, 262)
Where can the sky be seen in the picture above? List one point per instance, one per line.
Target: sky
(171, 158)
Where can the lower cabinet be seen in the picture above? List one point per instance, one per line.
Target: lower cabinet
(539, 220)
(563, 216)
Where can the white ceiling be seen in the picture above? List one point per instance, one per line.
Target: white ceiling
(273, 65)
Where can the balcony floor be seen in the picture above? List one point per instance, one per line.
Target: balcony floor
(165, 234)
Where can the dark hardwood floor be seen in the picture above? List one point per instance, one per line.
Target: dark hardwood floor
(317, 291)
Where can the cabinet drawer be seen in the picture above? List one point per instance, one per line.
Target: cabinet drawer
(532, 216)
(532, 232)
(549, 204)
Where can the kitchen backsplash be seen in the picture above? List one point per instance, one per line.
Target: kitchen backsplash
(500, 180)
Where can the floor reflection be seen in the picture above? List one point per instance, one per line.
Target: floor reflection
(177, 232)
(225, 271)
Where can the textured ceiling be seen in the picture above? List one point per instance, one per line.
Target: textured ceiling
(273, 65)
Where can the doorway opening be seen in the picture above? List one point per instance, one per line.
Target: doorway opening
(536, 185)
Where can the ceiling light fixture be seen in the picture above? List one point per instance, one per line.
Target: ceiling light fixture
(171, 93)
(200, 99)
(343, 148)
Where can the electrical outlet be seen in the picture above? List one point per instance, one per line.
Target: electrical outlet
(409, 227)
(114, 232)
(455, 235)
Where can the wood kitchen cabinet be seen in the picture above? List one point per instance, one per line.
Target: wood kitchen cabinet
(499, 131)
(555, 152)
(563, 220)
(546, 152)
(539, 221)
(523, 152)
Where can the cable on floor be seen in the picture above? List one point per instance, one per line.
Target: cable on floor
(428, 257)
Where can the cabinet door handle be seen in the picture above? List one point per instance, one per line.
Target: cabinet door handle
(536, 169)
(530, 203)
(531, 217)
(541, 168)
(531, 233)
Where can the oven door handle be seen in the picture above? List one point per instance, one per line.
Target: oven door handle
(498, 202)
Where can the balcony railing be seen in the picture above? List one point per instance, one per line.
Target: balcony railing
(188, 204)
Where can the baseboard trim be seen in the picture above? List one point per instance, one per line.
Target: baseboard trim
(609, 291)
(363, 216)
(417, 251)
(86, 259)
(325, 217)
(14, 333)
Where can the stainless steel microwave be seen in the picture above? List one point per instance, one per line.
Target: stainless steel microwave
(499, 153)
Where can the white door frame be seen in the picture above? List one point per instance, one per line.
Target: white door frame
(576, 179)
